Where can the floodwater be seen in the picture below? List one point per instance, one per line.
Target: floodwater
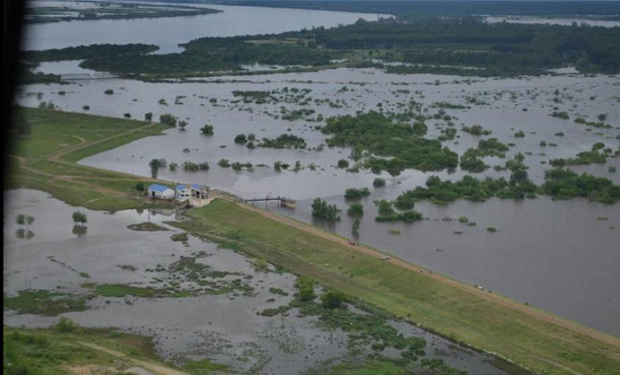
(168, 33)
(559, 256)
(226, 328)
(541, 245)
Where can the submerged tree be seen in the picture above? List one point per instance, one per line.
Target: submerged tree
(79, 217)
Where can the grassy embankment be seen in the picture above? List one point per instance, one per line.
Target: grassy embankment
(536, 340)
(46, 158)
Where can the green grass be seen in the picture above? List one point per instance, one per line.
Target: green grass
(50, 352)
(369, 368)
(460, 315)
(54, 132)
(202, 367)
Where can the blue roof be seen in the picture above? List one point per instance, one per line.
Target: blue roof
(181, 187)
(196, 186)
(157, 187)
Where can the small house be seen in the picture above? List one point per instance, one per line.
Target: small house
(182, 192)
(160, 192)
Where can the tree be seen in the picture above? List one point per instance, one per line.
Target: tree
(356, 210)
(322, 210)
(395, 167)
(148, 116)
(79, 217)
(343, 163)
(140, 187)
(168, 119)
(241, 139)
(109, 92)
(29, 220)
(207, 129)
(332, 299)
(183, 124)
(378, 182)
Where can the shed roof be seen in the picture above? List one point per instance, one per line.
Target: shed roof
(160, 188)
(181, 187)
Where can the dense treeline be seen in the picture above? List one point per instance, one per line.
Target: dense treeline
(207, 55)
(431, 45)
(92, 52)
(473, 43)
(407, 9)
(559, 183)
(375, 133)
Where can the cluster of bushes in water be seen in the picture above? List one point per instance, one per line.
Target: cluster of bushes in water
(559, 184)
(595, 156)
(322, 210)
(379, 135)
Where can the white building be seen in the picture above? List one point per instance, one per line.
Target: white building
(160, 192)
(182, 192)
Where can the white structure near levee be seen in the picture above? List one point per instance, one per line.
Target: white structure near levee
(160, 192)
(199, 196)
(182, 192)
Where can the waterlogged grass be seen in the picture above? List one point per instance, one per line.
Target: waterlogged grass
(44, 302)
(460, 315)
(202, 367)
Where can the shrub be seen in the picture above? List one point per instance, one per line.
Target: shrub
(356, 210)
(332, 299)
(321, 209)
(378, 182)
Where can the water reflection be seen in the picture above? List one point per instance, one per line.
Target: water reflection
(79, 230)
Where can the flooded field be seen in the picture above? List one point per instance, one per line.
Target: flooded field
(226, 325)
(543, 239)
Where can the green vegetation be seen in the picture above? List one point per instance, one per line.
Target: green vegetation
(476, 130)
(43, 302)
(377, 134)
(356, 210)
(387, 213)
(207, 129)
(378, 183)
(566, 184)
(462, 314)
(284, 141)
(424, 44)
(68, 348)
(585, 158)
(168, 119)
(356, 194)
(322, 210)
(45, 158)
(79, 217)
